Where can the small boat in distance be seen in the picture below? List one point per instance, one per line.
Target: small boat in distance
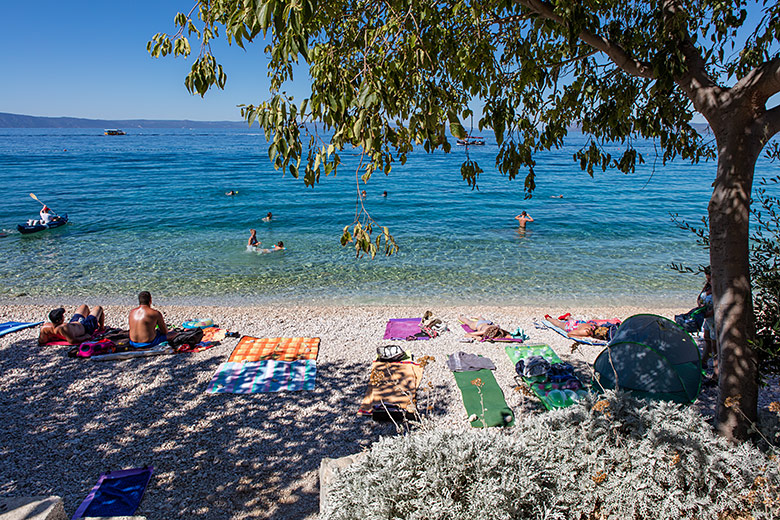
(471, 140)
(114, 131)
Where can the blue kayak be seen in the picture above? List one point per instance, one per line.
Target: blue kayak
(26, 229)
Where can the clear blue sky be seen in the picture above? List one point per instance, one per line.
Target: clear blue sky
(89, 59)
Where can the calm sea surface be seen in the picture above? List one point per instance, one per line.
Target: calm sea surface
(148, 211)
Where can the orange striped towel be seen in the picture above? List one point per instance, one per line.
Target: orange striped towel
(278, 349)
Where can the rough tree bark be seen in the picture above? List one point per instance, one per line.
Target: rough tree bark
(729, 213)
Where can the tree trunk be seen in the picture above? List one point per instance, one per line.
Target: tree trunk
(729, 213)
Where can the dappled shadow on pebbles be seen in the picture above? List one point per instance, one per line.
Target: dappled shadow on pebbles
(216, 456)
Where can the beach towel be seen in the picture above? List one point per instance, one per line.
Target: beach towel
(552, 391)
(214, 334)
(584, 341)
(12, 326)
(278, 349)
(251, 377)
(117, 493)
(392, 385)
(483, 399)
(508, 340)
(162, 348)
(404, 329)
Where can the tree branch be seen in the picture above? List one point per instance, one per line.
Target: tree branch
(769, 123)
(616, 53)
(760, 83)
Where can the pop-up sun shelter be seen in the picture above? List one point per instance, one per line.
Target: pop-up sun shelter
(651, 357)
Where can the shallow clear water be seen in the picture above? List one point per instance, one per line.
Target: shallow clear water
(148, 211)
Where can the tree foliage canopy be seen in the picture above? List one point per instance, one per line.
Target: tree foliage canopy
(391, 75)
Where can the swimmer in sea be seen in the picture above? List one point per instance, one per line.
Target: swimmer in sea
(384, 193)
(268, 217)
(231, 193)
(279, 246)
(523, 218)
(363, 194)
(556, 196)
(253, 241)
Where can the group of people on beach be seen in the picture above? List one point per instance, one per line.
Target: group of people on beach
(147, 325)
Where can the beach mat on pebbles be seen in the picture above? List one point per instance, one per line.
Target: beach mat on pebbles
(253, 377)
(391, 385)
(483, 399)
(560, 393)
(117, 493)
(278, 349)
(404, 329)
(12, 326)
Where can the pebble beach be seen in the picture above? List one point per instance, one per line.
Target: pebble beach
(230, 456)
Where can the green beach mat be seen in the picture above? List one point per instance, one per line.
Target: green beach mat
(487, 393)
(548, 393)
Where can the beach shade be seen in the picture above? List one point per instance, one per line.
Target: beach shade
(651, 357)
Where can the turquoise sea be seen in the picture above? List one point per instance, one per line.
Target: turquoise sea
(148, 210)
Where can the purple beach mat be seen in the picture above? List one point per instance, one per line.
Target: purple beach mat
(133, 498)
(505, 340)
(404, 328)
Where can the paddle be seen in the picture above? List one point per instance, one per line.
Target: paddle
(39, 200)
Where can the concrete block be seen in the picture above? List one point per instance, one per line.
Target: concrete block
(328, 468)
(32, 508)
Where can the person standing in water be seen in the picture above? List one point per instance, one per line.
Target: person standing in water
(268, 217)
(253, 241)
(524, 218)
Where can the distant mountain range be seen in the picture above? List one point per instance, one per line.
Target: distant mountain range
(22, 121)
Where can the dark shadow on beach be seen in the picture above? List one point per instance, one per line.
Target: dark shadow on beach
(214, 455)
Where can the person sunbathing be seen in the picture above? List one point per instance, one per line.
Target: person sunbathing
(79, 329)
(580, 329)
(483, 329)
(147, 325)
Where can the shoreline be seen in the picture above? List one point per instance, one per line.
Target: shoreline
(238, 301)
(231, 456)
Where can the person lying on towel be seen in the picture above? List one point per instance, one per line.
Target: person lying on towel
(581, 329)
(147, 325)
(484, 329)
(78, 330)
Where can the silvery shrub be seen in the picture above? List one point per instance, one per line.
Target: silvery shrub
(608, 457)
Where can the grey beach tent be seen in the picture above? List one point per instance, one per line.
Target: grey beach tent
(652, 357)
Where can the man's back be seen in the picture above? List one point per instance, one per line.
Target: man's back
(143, 320)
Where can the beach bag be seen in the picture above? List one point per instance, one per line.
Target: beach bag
(390, 353)
(96, 348)
(186, 337)
(692, 320)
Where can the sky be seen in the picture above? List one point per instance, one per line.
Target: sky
(88, 59)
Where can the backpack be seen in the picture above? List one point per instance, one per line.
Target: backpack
(186, 337)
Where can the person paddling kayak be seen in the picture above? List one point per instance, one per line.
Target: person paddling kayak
(46, 215)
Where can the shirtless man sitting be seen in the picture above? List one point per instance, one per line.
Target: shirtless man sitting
(147, 325)
(78, 330)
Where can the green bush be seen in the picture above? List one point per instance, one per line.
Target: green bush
(611, 457)
(765, 275)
